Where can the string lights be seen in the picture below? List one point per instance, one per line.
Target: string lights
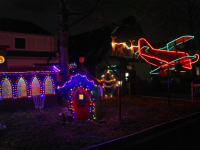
(81, 75)
(92, 103)
(164, 58)
(108, 82)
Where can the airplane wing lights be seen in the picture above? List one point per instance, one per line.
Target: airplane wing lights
(167, 58)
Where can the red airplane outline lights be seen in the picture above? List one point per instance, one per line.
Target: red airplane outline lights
(164, 59)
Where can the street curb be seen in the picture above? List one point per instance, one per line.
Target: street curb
(147, 134)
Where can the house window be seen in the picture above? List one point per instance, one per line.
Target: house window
(41, 44)
(197, 70)
(20, 43)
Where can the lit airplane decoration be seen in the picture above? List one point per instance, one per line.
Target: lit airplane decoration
(167, 57)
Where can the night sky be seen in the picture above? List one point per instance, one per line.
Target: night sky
(40, 12)
(44, 14)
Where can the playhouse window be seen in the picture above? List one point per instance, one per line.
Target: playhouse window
(21, 88)
(80, 96)
(6, 89)
(35, 87)
(48, 86)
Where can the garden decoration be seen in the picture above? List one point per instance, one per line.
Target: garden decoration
(163, 58)
(109, 83)
(82, 94)
(168, 57)
(39, 101)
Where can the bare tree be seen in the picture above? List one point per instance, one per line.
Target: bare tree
(73, 12)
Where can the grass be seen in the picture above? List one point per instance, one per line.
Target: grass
(33, 130)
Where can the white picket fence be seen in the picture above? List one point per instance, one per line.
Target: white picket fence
(195, 88)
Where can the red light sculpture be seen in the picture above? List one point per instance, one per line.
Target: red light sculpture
(166, 58)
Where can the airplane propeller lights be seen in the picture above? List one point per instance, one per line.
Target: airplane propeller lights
(167, 57)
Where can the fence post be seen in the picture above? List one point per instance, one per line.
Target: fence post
(192, 92)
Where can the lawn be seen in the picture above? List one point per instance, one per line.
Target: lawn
(32, 129)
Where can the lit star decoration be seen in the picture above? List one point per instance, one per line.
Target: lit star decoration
(92, 116)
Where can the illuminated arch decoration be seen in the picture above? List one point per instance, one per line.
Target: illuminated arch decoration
(21, 88)
(168, 58)
(49, 86)
(36, 89)
(92, 115)
(7, 89)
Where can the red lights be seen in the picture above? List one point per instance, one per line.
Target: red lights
(81, 60)
(164, 58)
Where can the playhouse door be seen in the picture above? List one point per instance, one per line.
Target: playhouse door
(81, 104)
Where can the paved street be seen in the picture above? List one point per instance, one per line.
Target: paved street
(185, 138)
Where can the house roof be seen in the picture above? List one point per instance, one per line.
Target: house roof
(18, 53)
(96, 44)
(128, 29)
(21, 26)
(92, 45)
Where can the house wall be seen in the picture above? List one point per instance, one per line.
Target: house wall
(31, 41)
(28, 61)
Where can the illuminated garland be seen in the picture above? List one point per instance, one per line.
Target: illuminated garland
(78, 74)
(92, 102)
(27, 72)
(72, 65)
(127, 47)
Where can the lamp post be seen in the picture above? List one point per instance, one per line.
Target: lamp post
(119, 82)
(81, 60)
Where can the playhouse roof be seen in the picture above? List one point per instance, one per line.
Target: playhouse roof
(79, 72)
(29, 70)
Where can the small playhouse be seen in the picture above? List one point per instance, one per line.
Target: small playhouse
(82, 95)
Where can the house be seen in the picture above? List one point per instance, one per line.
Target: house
(96, 47)
(23, 44)
(27, 43)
